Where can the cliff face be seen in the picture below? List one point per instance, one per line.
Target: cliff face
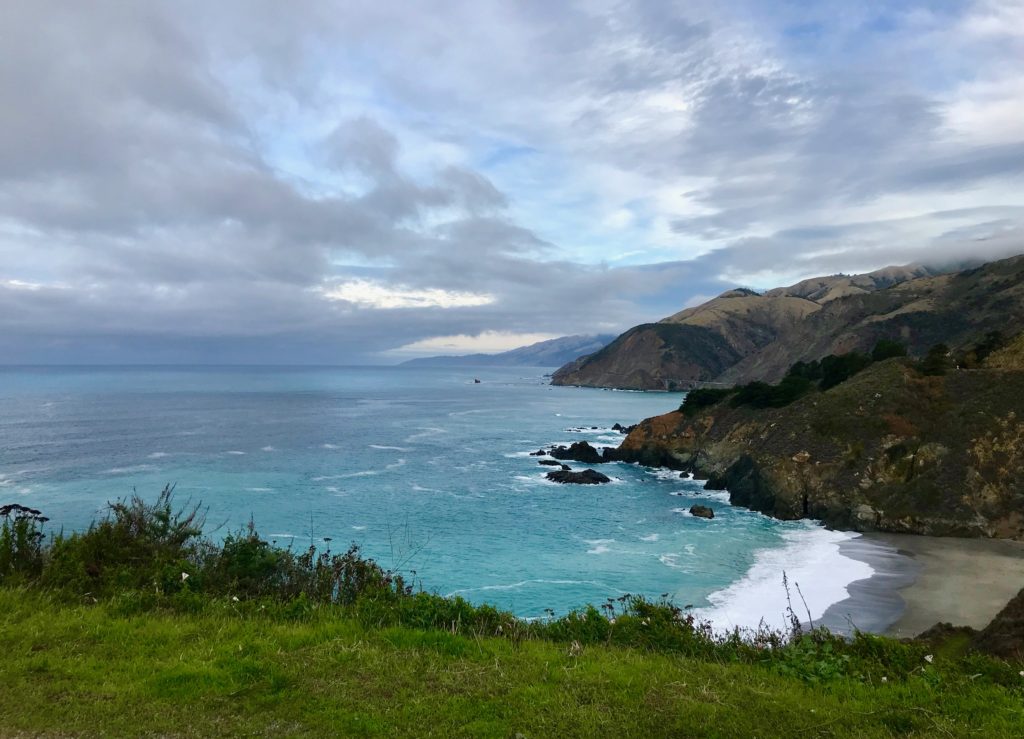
(829, 315)
(888, 450)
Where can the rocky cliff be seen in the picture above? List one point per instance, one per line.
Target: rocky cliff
(759, 336)
(888, 450)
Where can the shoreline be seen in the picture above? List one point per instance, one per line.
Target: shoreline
(919, 581)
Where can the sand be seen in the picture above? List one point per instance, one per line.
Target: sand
(922, 580)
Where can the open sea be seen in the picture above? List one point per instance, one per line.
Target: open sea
(424, 469)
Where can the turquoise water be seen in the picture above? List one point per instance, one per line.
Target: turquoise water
(423, 468)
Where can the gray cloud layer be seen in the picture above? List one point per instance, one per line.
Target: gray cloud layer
(181, 182)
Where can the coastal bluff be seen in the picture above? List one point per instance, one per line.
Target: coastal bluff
(888, 450)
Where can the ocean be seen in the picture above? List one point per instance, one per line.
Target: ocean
(425, 469)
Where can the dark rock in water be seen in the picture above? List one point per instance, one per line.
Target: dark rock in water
(566, 468)
(550, 462)
(539, 453)
(586, 477)
(579, 451)
(1004, 637)
(701, 511)
(623, 429)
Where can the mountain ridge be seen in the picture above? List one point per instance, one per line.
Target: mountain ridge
(767, 332)
(549, 353)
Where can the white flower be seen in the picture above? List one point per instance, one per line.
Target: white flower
(928, 658)
(611, 621)
(885, 679)
(1021, 673)
(234, 598)
(184, 576)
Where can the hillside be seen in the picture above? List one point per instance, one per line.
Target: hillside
(888, 450)
(767, 333)
(550, 353)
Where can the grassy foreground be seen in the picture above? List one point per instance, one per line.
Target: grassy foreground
(94, 670)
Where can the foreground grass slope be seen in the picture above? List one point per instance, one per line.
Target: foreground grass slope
(98, 670)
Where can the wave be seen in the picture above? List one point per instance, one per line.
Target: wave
(536, 581)
(260, 490)
(650, 537)
(268, 448)
(329, 446)
(425, 432)
(130, 469)
(390, 448)
(156, 455)
(810, 558)
(235, 452)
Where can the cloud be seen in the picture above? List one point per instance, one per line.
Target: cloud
(329, 181)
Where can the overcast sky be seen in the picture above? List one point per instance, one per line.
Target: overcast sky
(269, 181)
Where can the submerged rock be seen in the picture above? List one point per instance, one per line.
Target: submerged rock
(701, 511)
(550, 462)
(586, 477)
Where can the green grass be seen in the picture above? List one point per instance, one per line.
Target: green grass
(94, 670)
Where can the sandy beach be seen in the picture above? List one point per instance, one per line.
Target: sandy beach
(922, 580)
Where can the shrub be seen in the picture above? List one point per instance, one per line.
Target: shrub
(701, 398)
(21, 543)
(837, 368)
(887, 349)
(137, 546)
(936, 362)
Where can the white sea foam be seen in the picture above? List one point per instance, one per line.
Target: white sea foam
(235, 453)
(390, 448)
(425, 433)
(810, 558)
(650, 537)
(268, 448)
(156, 455)
(537, 581)
(359, 528)
(599, 546)
(330, 446)
(395, 465)
(260, 490)
(130, 469)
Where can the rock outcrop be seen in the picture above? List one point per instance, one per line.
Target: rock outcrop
(578, 451)
(701, 511)
(584, 477)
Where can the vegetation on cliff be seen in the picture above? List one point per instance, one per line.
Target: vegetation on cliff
(140, 625)
(900, 447)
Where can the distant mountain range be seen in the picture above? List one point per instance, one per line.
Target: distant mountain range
(742, 335)
(550, 353)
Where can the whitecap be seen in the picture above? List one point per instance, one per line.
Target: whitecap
(811, 558)
(260, 490)
(330, 446)
(130, 469)
(424, 433)
(359, 528)
(390, 448)
(156, 455)
(235, 452)
(268, 448)
(650, 537)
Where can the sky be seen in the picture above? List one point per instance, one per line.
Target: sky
(360, 182)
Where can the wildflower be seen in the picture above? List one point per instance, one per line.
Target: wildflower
(928, 658)
(644, 622)
(885, 679)
(1021, 673)
(234, 598)
(575, 649)
(184, 576)
(611, 621)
